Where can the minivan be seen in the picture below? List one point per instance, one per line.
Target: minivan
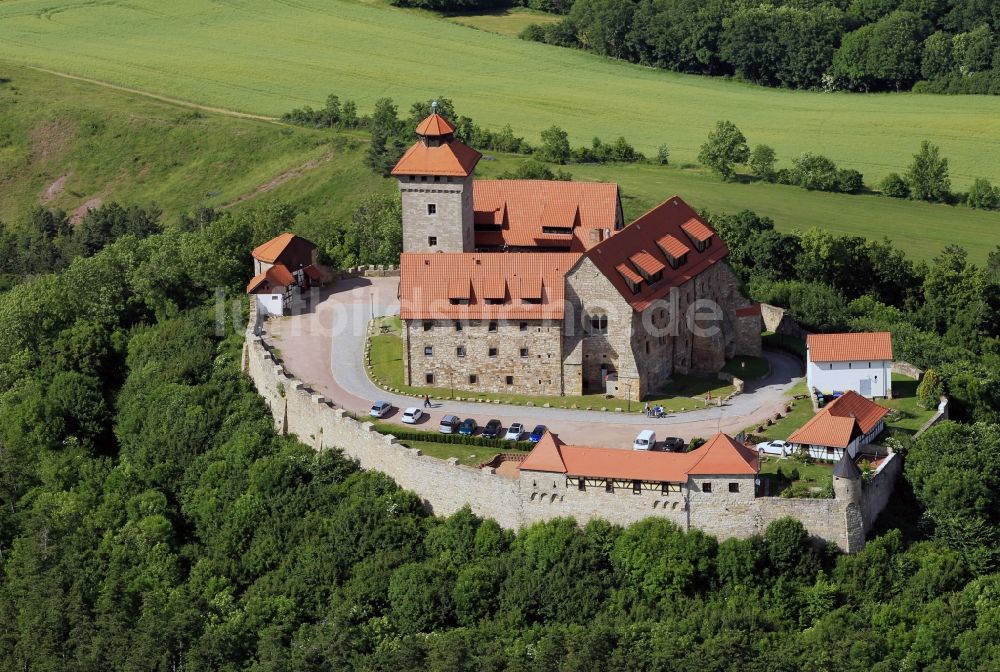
(449, 424)
(645, 441)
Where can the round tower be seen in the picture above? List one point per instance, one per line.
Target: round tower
(435, 184)
(847, 480)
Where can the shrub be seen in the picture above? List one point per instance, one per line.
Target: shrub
(930, 389)
(662, 155)
(814, 172)
(762, 161)
(849, 181)
(533, 33)
(983, 195)
(894, 186)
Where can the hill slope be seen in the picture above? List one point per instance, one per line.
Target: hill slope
(267, 57)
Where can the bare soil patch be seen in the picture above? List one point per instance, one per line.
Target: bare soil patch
(53, 190)
(81, 212)
(281, 179)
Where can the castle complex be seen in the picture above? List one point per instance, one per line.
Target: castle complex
(537, 287)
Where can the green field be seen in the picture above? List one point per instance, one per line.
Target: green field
(509, 22)
(267, 57)
(117, 145)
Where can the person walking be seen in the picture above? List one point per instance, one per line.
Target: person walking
(646, 409)
(427, 401)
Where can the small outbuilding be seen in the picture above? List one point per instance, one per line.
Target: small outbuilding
(859, 363)
(844, 426)
(283, 266)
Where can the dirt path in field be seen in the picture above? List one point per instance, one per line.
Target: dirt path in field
(156, 96)
(279, 180)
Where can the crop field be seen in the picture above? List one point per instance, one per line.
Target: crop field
(265, 57)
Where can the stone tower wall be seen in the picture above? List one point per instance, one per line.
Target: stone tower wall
(452, 222)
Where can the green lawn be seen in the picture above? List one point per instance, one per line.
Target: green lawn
(469, 455)
(747, 368)
(803, 479)
(801, 411)
(908, 416)
(509, 22)
(267, 57)
(685, 393)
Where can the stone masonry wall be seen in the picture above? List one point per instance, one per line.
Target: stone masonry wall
(540, 372)
(446, 486)
(452, 222)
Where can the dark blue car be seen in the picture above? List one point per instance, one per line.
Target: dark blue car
(537, 433)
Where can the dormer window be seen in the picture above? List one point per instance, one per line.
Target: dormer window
(649, 267)
(699, 233)
(674, 250)
(632, 279)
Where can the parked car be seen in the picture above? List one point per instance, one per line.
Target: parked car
(537, 433)
(492, 429)
(380, 409)
(468, 427)
(412, 415)
(646, 440)
(673, 444)
(449, 424)
(776, 447)
(514, 432)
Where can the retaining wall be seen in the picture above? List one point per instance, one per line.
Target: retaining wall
(446, 486)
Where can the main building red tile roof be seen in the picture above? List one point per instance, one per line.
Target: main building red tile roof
(524, 208)
(430, 282)
(839, 422)
(272, 250)
(721, 456)
(672, 224)
(849, 347)
(451, 159)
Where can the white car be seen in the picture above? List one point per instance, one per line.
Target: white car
(514, 432)
(380, 409)
(412, 415)
(645, 441)
(776, 447)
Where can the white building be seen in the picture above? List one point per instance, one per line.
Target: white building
(859, 363)
(283, 266)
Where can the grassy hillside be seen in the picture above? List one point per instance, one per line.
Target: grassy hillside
(267, 57)
(67, 144)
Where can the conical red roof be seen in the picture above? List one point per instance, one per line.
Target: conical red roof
(435, 126)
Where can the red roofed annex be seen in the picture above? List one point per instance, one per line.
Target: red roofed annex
(537, 286)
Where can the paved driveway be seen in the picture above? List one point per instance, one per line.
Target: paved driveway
(324, 349)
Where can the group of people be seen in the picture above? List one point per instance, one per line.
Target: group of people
(653, 411)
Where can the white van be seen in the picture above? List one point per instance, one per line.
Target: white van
(645, 441)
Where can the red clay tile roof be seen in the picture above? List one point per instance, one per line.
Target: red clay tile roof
(275, 276)
(837, 423)
(748, 311)
(451, 158)
(647, 262)
(721, 456)
(523, 207)
(628, 273)
(270, 251)
(849, 347)
(435, 126)
(643, 235)
(670, 245)
(697, 229)
(429, 280)
(314, 273)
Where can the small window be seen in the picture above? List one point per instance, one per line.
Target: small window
(460, 351)
(429, 350)
(510, 380)
(581, 484)
(458, 326)
(734, 487)
(492, 326)
(706, 487)
(432, 209)
(524, 352)
(599, 324)
(609, 486)
(636, 487)
(473, 379)
(647, 347)
(524, 326)
(429, 378)
(850, 365)
(432, 241)
(493, 352)
(664, 488)
(423, 178)
(437, 178)
(428, 326)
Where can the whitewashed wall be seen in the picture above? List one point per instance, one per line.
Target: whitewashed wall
(828, 377)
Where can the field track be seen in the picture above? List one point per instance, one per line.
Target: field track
(263, 57)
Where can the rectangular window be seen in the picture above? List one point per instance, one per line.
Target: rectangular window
(460, 351)
(493, 352)
(473, 379)
(524, 326)
(494, 302)
(524, 352)
(458, 326)
(665, 488)
(437, 178)
(636, 487)
(432, 241)
(734, 487)
(492, 326)
(429, 350)
(510, 380)
(609, 486)
(581, 484)
(432, 209)
(429, 378)
(706, 487)
(428, 326)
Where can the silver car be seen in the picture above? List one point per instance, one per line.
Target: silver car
(380, 409)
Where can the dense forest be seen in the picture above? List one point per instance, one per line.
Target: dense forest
(150, 519)
(933, 46)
